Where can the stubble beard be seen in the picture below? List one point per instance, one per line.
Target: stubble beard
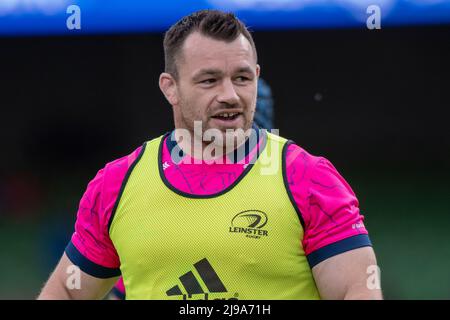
(230, 138)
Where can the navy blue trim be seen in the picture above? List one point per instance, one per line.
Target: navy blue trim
(171, 143)
(214, 195)
(124, 182)
(354, 242)
(246, 146)
(118, 294)
(286, 183)
(88, 266)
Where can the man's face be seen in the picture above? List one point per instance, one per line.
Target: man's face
(217, 83)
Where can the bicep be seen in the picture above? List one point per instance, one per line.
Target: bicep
(69, 282)
(347, 276)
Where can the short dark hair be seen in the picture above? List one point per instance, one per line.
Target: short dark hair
(216, 24)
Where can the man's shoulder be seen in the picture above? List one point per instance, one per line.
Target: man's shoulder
(109, 179)
(304, 169)
(314, 174)
(296, 156)
(123, 163)
(115, 171)
(103, 190)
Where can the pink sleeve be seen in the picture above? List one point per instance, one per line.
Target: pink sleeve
(90, 247)
(326, 204)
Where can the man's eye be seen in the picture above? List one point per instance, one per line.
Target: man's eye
(242, 79)
(208, 81)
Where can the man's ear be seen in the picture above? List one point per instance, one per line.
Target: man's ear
(258, 70)
(168, 86)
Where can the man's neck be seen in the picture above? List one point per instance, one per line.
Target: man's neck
(199, 149)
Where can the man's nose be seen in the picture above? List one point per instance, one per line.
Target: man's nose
(228, 93)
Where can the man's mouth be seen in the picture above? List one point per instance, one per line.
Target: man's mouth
(227, 116)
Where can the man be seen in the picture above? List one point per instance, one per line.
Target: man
(272, 222)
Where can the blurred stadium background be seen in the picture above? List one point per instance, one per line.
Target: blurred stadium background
(373, 102)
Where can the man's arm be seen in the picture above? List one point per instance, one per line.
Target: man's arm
(67, 283)
(349, 275)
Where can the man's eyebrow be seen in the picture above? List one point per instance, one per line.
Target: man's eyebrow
(210, 72)
(218, 72)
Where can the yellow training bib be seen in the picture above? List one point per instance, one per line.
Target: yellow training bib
(243, 243)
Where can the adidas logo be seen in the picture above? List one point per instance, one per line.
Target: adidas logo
(192, 286)
(165, 165)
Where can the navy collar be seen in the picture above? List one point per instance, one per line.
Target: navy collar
(178, 155)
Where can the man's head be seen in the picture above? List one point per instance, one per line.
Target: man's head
(211, 71)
